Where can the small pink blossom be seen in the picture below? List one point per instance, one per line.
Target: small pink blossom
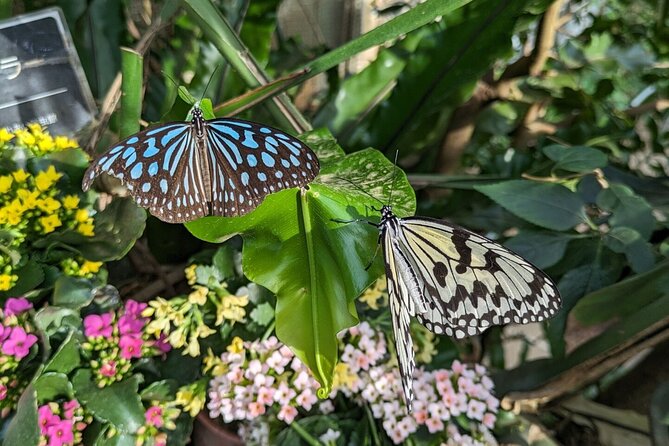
(46, 418)
(131, 347)
(306, 399)
(60, 433)
(134, 308)
(154, 416)
(98, 325)
(4, 332)
(266, 395)
(489, 420)
(434, 425)
(475, 410)
(69, 407)
(457, 367)
(287, 414)
(161, 343)
(3, 391)
(17, 306)
(130, 325)
(19, 343)
(255, 409)
(108, 368)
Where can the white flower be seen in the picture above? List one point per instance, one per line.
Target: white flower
(329, 436)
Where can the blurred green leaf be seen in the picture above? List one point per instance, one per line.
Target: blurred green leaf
(51, 319)
(224, 261)
(542, 249)
(132, 69)
(72, 292)
(576, 159)
(549, 205)
(628, 241)
(118, 404)
(163, 391)
(628, 209)
(315, 265)
(24, 428)
(66, 358)
(263, 314)
(51, 385)
(30, 275)
(624, 297)
(117, 228)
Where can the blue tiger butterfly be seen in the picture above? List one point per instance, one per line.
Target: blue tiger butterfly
(181, 171)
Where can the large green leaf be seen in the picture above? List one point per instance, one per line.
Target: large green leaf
(315, 265)
(66, 357)
(576, 159)
(52, 385)
(543, 249)
(118, 404)
(628, 241)
(545, 204)
(24, 429)
(628, 209)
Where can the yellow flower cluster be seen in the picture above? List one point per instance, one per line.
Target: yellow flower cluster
(80, 267)
(192, 398)
(231, 308)
(36, 139)
(375, 295)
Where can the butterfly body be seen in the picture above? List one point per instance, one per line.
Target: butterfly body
(181, 171)
(455, 282)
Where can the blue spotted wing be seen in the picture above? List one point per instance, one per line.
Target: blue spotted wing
(182, 171)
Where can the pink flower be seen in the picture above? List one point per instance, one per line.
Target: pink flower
(131, 347)
(4, 332)
(255, 409)
(46, 418)
(434, 425)
(475, 410)
(69, 408)
(287, 414)
(108, 368)
(266, 395)
(17, 306)
(3, 391)
(60, 433)
(134, 308)
(420, 416)
(306, 399)
(98, 325)
(154, 416)
(129, 325)
(457, 367)
(161, 343)
(489, 420)
(19, 343)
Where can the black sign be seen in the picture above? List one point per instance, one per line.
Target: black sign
(41, 79)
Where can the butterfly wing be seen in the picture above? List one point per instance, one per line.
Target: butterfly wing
(249, 161)
(163, 170)
(400, 284)
(470, 282)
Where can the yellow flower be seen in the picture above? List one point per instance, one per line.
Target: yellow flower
(232, 309)
(86, 229)
(63, 142)
(45, 179)
(71, 202)
(89, 267)
(5, 136)
(25, 137)
(202, 331)
(13, 212)
(6, 281)
(28, 198)
(177, 338)
(5, 183)
(191, 401)
(81, 216)
(35, 127)
(236, 346)
(158, 306)
(45, 143)
(372, 294)
(48, 205)
(20, 175)
(190, 274)
(214, 363)
(50, 223)
(199, 296)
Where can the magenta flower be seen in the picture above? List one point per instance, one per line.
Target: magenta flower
(4, 332)
(19, 343)
(131, 347)
(3, 391)
(108, 368)
(161, 343)
(154, 416)
(46, 418)
(17, 305)
(69, 408)
(98, 325)
(61, 433)
(128, 324)
(134, 308)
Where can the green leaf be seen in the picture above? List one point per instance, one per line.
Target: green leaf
(66, 357)
(30, 275)
(164, 390)
(628, 209)
(549, 205)
(263, 314)
(315, 265)
(132, 68)
(577, 158)
(72, 292)
(224, 261)
(51, 319)
(185, 95)
(624, 297)
(118, 404)
(24, 427)
(542, 249)
(117, 228)
(628, 241)
(52, 385)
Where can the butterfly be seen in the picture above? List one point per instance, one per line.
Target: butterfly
(181, 171)
(455, 282)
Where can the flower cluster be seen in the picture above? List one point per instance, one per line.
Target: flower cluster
(254, 379)
(182, 320)
(31, 203)
(62, 424)
(116, 338)
(36, 140)
(262, 379)
(158, 418)
(16, 340)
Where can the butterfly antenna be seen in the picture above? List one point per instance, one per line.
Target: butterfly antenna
(209, 82)
(176, 84)
(392, 181)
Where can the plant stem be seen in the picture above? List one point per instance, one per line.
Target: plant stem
(304, 434)
(131, 91)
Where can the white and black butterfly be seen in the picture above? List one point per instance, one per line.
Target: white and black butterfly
(455, 282)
